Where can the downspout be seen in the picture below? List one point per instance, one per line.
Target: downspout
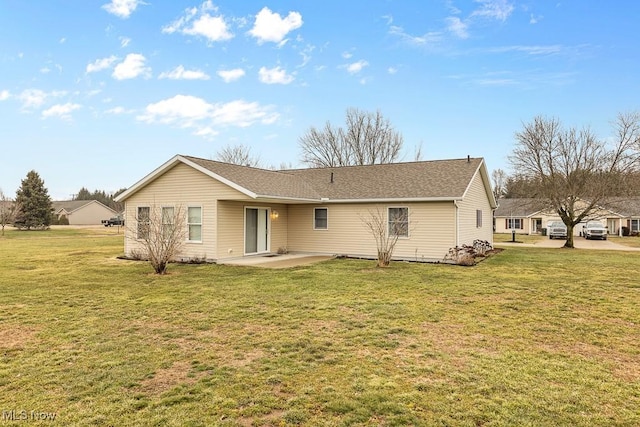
(457, 228)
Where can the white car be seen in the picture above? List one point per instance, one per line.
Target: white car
(557, 230)
(594, 230)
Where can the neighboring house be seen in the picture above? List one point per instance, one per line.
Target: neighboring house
(82, 212)
(235, 211)
(629, 208)
(530, 216)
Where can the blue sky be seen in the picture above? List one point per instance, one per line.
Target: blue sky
(99, 93)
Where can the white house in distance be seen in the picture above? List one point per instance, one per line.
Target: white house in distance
(82, 212)
(235, 211)
(530, 216)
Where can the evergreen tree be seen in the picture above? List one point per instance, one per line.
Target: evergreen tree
(34, 203)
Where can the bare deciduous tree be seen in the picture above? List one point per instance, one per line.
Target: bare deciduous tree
(499, 178)
(238, 155)
(386, 230)
(576, 173)
(8, 210)
(162, 232)
(367, 139)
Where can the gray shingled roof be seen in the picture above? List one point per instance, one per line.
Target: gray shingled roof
(69, 205)
(262, 182)
(72, 205)
(518, 207)
(447, 179)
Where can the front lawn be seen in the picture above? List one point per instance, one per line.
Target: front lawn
(530, 336)
(631, 241)
(520, 238)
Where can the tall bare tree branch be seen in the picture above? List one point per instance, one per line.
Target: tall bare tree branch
(368, 138)
(576, 173)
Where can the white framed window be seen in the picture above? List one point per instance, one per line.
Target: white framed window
(194, 223)
(143, 218)
(478, 218)
(398, 221)
(514, 223)
(635, 225)
(168, 221)
(320, 218)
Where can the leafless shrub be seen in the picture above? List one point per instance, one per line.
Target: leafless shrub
(161, 232)
(386, 232)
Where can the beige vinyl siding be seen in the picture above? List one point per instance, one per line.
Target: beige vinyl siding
(476, 198)
(431, 230)
(231, 227)
(181, 186)
(501, 225)
(90, 214)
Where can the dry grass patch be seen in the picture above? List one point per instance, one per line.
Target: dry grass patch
(15, 337)
(179, 373)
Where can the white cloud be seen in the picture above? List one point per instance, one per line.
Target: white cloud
(231, 75)
(35, 98)
(186, 111)
(242, 114)
(124, 41)
(62, 111)
(118, 110)
(132, 67)
(101, 64)
(495, 9)
(535, 19)
(347, 55)
(457, 27)
(392, 70)
(179, 73)
(198, 22)
(4, 95)
(274, 75)
(270, 27)
(62, 40)
(531, 50)
(426, 39)
(356, 67)
(122, 8)
(45, 70)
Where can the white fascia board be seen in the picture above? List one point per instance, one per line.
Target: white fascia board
(484, 175)
(217, 177)
(293, 199)
(169, 164)
(148, 178)
(394, 200)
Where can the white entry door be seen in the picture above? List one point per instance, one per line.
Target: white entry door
(256, 230)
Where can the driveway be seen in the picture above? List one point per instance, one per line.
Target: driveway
(578, 242)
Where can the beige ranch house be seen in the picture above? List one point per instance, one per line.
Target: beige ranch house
(530, 216)
(82, 212)
(237, 211)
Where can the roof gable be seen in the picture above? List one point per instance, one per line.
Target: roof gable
(73, 205)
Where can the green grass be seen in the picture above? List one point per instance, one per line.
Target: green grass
(632, 242)
(528, 337)
(520, 238)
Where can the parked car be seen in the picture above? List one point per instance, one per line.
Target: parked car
(594, 230)
(116, 220)
(557, 230)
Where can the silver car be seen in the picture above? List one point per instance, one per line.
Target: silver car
(557, 230)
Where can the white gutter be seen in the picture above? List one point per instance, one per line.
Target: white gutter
(457, 229)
